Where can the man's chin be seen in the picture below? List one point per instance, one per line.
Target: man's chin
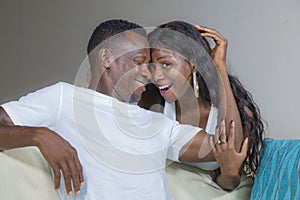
(137, 94)
(135, 99)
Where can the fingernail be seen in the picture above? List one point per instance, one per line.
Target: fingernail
(232, 123)
(70, 193)
(77, 193)
(82, 184)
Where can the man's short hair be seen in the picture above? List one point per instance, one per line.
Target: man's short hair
(109, 28)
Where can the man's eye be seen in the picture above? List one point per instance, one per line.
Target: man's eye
(166, 64)
(137, 62)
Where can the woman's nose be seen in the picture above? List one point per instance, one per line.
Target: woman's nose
(157, 74)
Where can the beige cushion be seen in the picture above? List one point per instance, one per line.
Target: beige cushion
(25, 175)
(191, 183)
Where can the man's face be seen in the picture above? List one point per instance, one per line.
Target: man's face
(128, 73)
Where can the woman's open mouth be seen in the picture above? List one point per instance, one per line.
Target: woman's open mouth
(164, 89)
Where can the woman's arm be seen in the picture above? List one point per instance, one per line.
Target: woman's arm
(228, 109)
(229, 154)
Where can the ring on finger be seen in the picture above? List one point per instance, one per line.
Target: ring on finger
(221, 141)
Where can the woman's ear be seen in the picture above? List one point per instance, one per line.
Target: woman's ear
(105, 57)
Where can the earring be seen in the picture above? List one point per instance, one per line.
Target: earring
(195, 84)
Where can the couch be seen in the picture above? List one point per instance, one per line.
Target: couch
(278, 176)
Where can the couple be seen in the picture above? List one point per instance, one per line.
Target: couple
(122, 148)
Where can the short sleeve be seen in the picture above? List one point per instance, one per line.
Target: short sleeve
(181, 135)
(40, 108)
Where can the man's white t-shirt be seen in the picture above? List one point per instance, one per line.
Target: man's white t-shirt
(122, 148)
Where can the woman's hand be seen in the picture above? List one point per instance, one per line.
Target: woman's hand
(229, 160)
(218, 53)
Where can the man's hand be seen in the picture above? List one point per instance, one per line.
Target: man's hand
(62, 157)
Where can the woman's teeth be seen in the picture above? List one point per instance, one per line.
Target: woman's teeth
(163, 87)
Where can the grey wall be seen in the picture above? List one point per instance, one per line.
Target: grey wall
(42, 42)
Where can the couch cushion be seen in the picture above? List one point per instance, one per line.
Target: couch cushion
(279, 173)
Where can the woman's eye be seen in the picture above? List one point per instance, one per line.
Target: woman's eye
(166, 64)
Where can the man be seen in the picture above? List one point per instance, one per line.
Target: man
(122, 147)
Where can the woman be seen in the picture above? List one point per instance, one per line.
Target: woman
(193, 91)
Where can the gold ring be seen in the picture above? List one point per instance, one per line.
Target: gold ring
(222, 141)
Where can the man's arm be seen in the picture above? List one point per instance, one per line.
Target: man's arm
(198, 149)
(60, 155)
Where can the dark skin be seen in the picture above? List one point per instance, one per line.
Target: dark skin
(60, 154)
(171, 69)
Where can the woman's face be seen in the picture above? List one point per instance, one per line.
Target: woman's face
(171, 73)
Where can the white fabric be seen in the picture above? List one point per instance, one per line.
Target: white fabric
(170, 111)
(123, 148)
(189, 181)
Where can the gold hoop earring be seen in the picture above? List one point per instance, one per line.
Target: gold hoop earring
(195, 84)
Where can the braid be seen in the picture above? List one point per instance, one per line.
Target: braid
(254, 123)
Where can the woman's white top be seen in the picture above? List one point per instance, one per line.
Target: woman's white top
(170, 111)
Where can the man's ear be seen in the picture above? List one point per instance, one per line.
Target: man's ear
(105, 57)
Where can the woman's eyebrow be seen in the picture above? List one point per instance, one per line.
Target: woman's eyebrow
(161, 57)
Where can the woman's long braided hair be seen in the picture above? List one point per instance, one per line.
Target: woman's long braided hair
(194, 51)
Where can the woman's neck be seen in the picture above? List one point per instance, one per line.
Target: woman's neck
(192, 110)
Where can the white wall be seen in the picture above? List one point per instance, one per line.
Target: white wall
(42, 42)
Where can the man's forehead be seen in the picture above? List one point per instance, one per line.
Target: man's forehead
(132, 41)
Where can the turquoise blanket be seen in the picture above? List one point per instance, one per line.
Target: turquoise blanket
(279, 173)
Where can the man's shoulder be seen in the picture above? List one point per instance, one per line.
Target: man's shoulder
(68, 87)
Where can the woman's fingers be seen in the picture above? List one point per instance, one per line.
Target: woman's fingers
(244, 150)
(212, 145)
(223, 136)
(231, 135)
(209, 30)
(212, 33)
(217, 135)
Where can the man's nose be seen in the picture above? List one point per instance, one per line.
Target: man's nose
(145, 72)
